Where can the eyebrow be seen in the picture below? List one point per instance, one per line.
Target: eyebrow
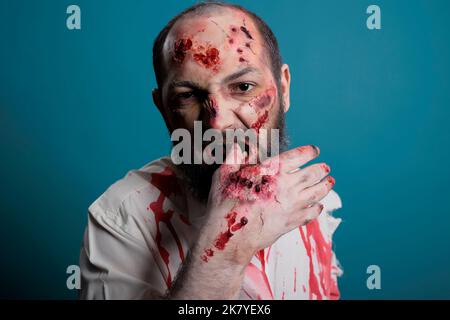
(239, 74)
(184, 83)
(194, 85)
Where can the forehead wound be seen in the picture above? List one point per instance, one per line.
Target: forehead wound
(208, 38)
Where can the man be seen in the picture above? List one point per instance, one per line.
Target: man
(197, 231)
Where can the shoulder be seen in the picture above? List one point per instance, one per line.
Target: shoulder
(135, 188)
(119, 257)
(134, 181)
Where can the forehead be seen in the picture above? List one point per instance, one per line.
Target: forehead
(212, 45)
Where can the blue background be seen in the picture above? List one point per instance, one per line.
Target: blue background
(76, 114)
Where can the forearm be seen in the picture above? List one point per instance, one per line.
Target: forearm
(220, 277)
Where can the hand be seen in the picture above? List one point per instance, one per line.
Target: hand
(251, 206)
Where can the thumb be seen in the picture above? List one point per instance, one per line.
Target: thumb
(235, 157)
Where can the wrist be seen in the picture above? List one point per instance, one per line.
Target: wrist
(217, 247)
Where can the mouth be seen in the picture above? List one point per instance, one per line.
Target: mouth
(245, 149)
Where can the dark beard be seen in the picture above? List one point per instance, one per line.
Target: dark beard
(198, 177)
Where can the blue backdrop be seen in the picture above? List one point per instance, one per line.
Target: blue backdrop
(76, 114)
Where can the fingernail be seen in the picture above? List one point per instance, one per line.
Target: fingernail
(326, 168)
(316, 149)
(331, 180)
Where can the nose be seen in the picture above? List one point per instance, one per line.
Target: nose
(221, 114)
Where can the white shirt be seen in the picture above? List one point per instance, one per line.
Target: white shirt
(140, 230)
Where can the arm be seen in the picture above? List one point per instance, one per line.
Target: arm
(219, 278)
(245, 217)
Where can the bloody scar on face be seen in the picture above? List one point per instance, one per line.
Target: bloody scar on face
(205, 55)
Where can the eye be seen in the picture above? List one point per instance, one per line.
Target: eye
(184, 98)
(244, 87)
(185, 95)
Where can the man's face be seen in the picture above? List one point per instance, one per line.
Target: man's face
(218, 72)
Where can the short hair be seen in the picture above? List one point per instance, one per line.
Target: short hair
(270, 41)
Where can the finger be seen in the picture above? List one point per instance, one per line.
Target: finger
(252, 154)
(311, 213)
(304, 216)
(289, 161)
(317, 192)
(311, 175)
(235, 157)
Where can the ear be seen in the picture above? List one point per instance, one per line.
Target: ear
(285, 86)
(156, 95)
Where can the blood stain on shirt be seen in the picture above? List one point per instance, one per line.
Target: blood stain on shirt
(166, 183)
(295, 279)
(260, 256)
(324, 256)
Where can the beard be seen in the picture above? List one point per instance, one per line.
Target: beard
(198, 177)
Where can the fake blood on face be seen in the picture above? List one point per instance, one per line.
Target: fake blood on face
(209, 58)
(212, 107)
(246, 32)
(206, 56)
(264, 100)
(181, 46)
(261, 121)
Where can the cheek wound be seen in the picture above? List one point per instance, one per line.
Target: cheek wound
(261, 102)
(261, 121)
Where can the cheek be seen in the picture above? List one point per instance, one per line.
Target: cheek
(185, 118)
(261, 121)
(264, 100)
(262, 104)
